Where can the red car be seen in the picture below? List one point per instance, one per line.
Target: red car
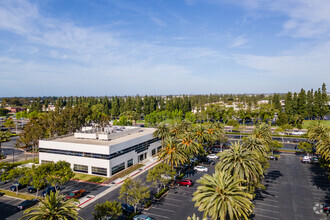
(186, 182)
(76, 194)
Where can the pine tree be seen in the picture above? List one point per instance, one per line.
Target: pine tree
(301, 103)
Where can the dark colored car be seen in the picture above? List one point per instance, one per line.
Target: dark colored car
(76, 194)
(15, 186)
(186, 182)
(205, 160)
(49, 189)
(326, 208)
(26, 204)
(31, 189)
(127, 209)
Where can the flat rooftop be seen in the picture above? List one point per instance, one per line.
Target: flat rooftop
(72, 139)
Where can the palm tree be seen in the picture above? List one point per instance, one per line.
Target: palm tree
(262, 131)
(320, 133)
(4, 136)
(171, 153)
(188, 144)
(162, 132)
(53, 207)
(175, 128)
(200, 134)
(241, 162)
(222, 196)
(323, 147)
(255, 144)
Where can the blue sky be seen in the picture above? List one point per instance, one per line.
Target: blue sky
(161, 47)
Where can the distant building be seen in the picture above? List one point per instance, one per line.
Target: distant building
(15, 109)
(104, 152)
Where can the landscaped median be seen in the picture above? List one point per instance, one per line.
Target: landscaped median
(19, 196)
(89, 178)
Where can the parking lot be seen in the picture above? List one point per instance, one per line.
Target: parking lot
(178, 204)
(8, 205)
(293, 191)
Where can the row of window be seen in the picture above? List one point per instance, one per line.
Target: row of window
(95, 170)
(138, 149)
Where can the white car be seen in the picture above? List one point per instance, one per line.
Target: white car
(306, 159)
(165, 176)
(201, 168)
(212, 156)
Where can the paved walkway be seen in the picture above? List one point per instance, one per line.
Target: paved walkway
(149, 163)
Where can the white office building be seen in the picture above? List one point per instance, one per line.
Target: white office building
(105, 152)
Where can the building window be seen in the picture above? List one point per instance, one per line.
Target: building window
(129, 162)
(80, 168)
(117, 168)
(46, 161)
(153, 152)
(99, 171)
(159, 148)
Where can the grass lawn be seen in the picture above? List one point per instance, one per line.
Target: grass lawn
(20, 196)
(124, 172)
(89, 178)
(306, 123)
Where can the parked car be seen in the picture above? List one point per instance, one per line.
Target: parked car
(142, 217)
(212, 156)
(326, 208)
(76, 194)
(201, 168)
(127, 209)
(186, 182)
(314, 160)
(4, 182)
(27, 203)
(165, 176)
(15, 186)
(207, 161)
(49, 189)
(272, 157)
(193, 160)
(306, 159)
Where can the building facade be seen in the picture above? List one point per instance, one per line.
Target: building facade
(101, 153)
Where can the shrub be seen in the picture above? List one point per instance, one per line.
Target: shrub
(161, 192)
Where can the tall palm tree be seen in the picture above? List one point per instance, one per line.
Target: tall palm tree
(4, 136)
(200, 134)
(175, 128)
(162, 132)
(262, 131)
(241, 162)
(53, 207)
(172, 153)
(320, 133)
(188, 144)
(221, 196)
(255, 144)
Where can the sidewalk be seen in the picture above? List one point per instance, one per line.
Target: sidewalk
(149, 163)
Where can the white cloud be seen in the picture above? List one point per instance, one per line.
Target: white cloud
(239, 41)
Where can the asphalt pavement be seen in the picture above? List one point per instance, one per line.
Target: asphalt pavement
(293, 191)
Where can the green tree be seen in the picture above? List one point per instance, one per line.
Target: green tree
(60, 173)
(108, 209)
(4, 136)
(162, 132)
(222, 196)
(257, 145)
(171, 153)
(53, 207)
(275, 145)
(306, 147)
(188, 144)
(9, 124)
(160, 173)
(14, 175)
(242, 163)
(134, 192)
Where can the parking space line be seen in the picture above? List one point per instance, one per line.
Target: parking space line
(149, 213)
(267, 210)
(272, 200)
(175, 194)
(162, 209)
(171, 199)
(167, 204)
(275, 206)
(264, 216)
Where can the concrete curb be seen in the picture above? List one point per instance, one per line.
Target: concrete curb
(82, 181)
